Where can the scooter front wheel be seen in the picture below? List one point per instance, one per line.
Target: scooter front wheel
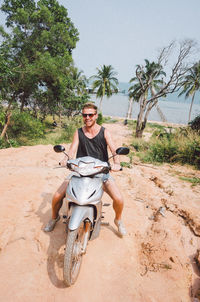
(75, 248)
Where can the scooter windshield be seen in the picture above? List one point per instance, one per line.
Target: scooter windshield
(87, 165)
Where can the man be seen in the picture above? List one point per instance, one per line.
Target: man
(92, 140)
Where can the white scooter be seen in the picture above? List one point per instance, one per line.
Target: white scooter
(84, 193)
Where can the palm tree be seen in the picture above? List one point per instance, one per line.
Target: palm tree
(191, 84)
(105, 82)
(134, 96)
(146, 83)
(79, 80)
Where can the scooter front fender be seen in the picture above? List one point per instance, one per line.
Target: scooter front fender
(78, 214)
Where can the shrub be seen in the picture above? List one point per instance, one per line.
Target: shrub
(163, 150)
(195, 123)
(8, 143)
(100, 119)
(23, 125)
(189, 151)
(167, 144)
(140, 145)
(2, 118)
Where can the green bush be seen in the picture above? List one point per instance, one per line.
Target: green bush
(163, 150)
(195, 123)
(189, 151)
(140, 144)
(100, 119)
(23, 125)
(180, 145)
(2, 118)
(8, 143)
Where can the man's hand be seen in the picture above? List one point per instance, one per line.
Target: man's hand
(115, 167)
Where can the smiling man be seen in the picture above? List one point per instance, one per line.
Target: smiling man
(92, 140)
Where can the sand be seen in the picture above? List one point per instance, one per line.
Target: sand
(155, 262)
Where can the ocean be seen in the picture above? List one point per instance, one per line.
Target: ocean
(175, 111)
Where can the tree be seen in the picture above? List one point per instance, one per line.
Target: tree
(151, 84)
(36, 55)
(151, 77)
(79, 81)
(134, 95)
(191, 84)
(105, 82)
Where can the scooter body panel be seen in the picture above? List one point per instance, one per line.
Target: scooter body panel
(79, 214)
(85, 190)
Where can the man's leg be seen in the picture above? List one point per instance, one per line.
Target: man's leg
(58, 199)
(57, 202)
(112, 190)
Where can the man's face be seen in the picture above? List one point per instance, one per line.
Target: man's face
(89, 116)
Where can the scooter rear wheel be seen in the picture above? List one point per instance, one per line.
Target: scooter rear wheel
(73, 254)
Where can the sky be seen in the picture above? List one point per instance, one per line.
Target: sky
(123, 33)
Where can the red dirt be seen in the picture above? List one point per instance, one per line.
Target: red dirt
(153, 263)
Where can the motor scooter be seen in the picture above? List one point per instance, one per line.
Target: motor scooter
(84, 208)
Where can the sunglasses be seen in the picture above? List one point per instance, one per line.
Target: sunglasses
(88, 114)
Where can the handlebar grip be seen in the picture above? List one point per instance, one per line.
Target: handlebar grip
(69, 166)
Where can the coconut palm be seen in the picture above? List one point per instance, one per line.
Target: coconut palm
(147, 82)
(105, 82)
(191, 84)
(79, 80)
(134, 96)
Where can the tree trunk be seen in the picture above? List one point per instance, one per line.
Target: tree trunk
(22, 104)
(139, 125)
(141, 122)
(100, 104)
(7, 122)
(189, 118)
(130, 108)
(163, 118)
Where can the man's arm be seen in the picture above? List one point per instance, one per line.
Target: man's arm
(74, 146)
(112, 148)
(72, 150)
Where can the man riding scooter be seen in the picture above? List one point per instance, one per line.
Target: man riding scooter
(92, 140)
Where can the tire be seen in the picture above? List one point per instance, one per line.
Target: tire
(73, 254)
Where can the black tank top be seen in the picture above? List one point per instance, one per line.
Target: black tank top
(95, 147)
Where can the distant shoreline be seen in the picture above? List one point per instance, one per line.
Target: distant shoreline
(167, 124)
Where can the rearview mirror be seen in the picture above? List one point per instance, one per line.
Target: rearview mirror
(122, 151)
(59, 148)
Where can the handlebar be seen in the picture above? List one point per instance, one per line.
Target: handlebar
(104, 170)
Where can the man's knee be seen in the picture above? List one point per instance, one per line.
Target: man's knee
(58, 196)
(119, 201)
(61, 192)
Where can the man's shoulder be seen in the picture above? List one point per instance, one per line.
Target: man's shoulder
(79, 130)
(106, 132)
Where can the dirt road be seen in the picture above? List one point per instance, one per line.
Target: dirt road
(153, 263)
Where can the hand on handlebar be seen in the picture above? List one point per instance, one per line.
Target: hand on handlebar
(116, 167)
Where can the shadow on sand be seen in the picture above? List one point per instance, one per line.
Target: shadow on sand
(57, 239)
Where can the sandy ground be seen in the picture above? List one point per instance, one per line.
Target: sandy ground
(153, 263)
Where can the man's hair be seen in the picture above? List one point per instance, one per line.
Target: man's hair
(90, 105)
